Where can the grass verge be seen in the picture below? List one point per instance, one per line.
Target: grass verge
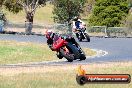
(12, 52)
(61, 76)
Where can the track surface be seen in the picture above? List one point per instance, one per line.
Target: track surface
(119, 49)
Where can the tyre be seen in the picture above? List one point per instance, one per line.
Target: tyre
(69, 56)
(59, 56)
(74, 50)
(82, 57)
(80, 38)
(87, 37)
(73, 53)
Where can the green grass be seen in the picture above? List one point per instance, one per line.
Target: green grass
(64, 78)
(12, 52)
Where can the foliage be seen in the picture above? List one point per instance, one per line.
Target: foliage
(108, 12)
(129, 21)
(17, 5)
(13, 7)
(1, 2)
(88, 7)
(64, 10)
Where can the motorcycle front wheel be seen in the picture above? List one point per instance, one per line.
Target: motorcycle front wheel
(80, 37)
(87, 37)
(72, 53)
(68, 56)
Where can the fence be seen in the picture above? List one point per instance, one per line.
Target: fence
(97, 31)
(103, 31)
(37, 28)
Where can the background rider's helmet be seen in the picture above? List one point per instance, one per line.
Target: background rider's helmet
(75, 18)
(49, 34)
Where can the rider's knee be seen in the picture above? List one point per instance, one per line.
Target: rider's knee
(74, 29)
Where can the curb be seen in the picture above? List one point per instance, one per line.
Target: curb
(100, 53)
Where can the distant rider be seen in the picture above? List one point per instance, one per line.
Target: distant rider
(77, 24)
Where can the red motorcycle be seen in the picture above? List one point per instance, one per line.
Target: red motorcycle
(67, 47)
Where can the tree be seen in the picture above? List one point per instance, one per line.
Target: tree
(130, 5)
(128, 21)
(109, 13)
(130, 2)
(2, 15)
(1, 2)
(88, 7)
(29, 6)
(64, 10)
(10, 5)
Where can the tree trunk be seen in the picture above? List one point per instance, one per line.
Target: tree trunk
(29, 23)
(28, 28)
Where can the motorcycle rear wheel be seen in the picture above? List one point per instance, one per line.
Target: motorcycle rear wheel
(82, 57)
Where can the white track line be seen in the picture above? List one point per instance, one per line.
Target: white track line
(100, 53)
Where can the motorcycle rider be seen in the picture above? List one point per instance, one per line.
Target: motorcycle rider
(51, 38)
(77, 24)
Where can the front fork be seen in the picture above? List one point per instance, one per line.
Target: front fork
(59, 55)
(84, 33)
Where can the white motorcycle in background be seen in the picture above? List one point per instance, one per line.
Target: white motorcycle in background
(82, 33)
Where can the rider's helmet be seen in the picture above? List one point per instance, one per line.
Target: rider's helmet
(75, 18)
(49, 34)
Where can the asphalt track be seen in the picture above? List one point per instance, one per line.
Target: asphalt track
(119, 49)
